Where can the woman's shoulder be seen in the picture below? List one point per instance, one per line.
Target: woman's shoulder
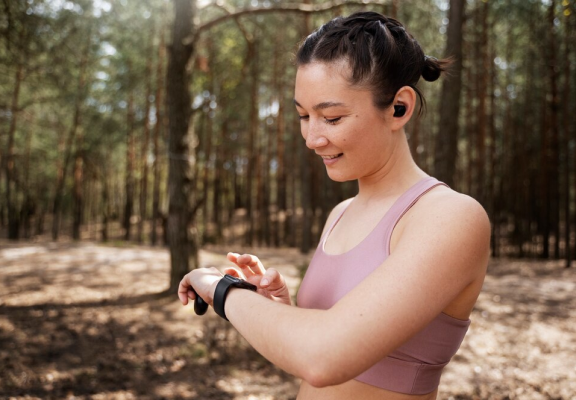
(452, 204)
(452, 232)
(446, 210)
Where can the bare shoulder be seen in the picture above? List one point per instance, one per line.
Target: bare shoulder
(450, 205)
(451, 219)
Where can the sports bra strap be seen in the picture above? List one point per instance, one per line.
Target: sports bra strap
(405, 202)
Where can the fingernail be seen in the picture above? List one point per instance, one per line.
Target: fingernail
(264, 282)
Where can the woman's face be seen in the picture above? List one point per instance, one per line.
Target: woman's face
(341, 123)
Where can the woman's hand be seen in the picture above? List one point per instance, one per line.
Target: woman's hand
(269, 282)
(203, 280)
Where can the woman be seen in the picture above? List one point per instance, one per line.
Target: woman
(386, 300)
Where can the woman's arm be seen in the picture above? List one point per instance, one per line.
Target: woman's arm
(250, 269)
(442, 250)
(436, 258)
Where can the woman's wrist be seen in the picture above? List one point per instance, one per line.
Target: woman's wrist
(213, 291)
(235, 298)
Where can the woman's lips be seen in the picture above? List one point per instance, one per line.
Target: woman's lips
(331, 161)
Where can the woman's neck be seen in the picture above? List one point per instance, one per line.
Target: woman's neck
(394, 178)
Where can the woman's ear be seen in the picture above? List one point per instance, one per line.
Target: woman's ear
(402, 107)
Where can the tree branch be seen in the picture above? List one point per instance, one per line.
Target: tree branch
(231, 14)
(289, 7)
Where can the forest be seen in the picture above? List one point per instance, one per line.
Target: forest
(170, 126)
(85, 127)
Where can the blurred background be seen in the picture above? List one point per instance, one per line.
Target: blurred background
(141, 139)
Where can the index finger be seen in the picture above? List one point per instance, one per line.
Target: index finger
(232, 256)
(254, 263)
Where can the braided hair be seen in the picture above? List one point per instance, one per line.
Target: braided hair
(381, 54)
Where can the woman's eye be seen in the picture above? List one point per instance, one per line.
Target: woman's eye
(332, 121)
(303, 117)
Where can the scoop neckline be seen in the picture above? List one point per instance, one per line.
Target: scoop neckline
(325, 238)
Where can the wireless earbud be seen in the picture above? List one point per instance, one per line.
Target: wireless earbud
(399, 110)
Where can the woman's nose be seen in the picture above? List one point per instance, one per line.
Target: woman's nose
(315, 137)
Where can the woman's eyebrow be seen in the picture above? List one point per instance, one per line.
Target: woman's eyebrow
(323, 105)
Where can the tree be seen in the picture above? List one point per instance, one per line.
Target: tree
(179, 180)
(449, 108)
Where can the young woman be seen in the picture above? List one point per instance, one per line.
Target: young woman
(386, 300)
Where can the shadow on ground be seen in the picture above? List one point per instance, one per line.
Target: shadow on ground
(86, 321)
(66, 332)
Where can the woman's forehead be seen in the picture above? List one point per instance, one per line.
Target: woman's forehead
(335, 71)
(321, 82)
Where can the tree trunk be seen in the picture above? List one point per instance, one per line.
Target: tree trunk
(219, 203)
(208, 135)
(217, 199)
(544, 212)
(566, 147)
(280, 132)
(520, 148)
(159, 104)
(554, 105)
(481, 110)
(105, 202)
(306, 178)
(250, 234)
(446, 142)
(291, 231)
(566, 154)
(266, 189)
(130, 158)
(492, 159)
(182, 249)
(77, 194)
(469, 130)
(29, 206)
(550, 147)
(145, 144)
(81, 95)
(13, 212)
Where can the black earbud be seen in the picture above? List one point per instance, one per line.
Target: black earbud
(399, 110)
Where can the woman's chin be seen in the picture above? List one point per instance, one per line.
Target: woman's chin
(336, 177)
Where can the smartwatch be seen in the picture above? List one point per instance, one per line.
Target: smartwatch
(222, 289)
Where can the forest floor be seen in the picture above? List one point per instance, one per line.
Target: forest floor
(88, 321)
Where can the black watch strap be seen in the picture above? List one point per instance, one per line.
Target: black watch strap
(222, 288)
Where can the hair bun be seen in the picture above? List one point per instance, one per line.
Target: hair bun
(432, 69)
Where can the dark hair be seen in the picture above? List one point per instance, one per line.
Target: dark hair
(382, 55)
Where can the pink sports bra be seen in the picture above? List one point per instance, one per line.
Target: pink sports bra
(416, 366)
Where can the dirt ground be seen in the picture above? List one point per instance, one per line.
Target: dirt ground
(87, 321)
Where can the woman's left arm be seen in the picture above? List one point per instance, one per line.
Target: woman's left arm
(438, 255)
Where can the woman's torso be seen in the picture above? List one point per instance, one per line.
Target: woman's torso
(350, 230)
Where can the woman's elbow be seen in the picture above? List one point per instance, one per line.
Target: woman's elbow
(321, 375)
(326, 361)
